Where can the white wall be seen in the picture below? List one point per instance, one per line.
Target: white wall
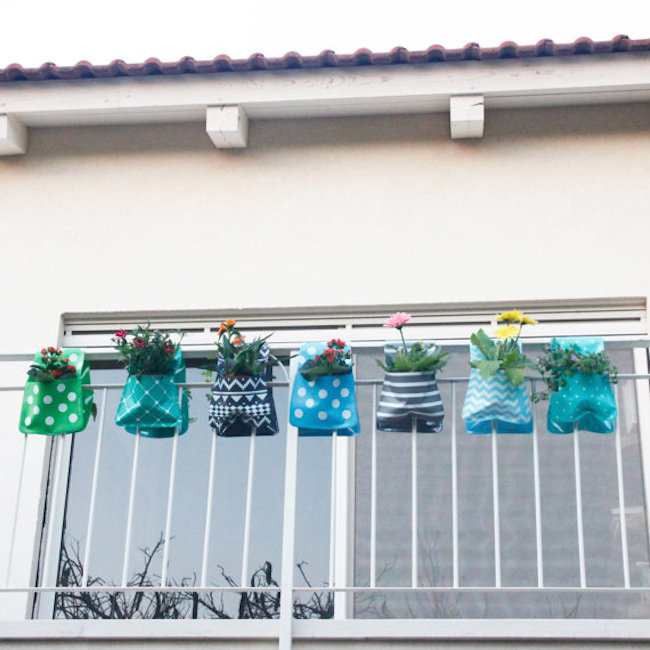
(551, 203)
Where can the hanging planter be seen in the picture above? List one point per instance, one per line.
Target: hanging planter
(323, 398)
(579, 378)
(150, 404)
(409, 395)
(242, 403)
(496, 398)
(54, 401)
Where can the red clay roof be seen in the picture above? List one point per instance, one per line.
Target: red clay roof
(326, 59)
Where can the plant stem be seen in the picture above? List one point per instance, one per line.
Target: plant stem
(403, 341)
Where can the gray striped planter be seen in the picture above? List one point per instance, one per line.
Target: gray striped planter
(407, 398)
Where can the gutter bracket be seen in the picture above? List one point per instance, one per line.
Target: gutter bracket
(466, 116)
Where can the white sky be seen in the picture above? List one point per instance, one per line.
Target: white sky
(35, 31)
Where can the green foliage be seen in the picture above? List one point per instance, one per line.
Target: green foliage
(147, 352)
(51, 366)
(503, 355)
(334, 360)
(415, 358)
(558, 363)
(239, 357)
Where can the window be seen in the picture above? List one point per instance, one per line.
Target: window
(356, 530)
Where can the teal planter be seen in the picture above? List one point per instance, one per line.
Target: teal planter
(150, 404)
(587, 401)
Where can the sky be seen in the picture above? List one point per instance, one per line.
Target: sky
(64, 33)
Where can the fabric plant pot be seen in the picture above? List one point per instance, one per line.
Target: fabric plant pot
(323, 405)
(586, 402)
(495, 400)
(407, 399)
(241, 405)
(150, 404)
(60, 406)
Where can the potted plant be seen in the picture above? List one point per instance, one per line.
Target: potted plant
(54, 401)
(323, 398)
(495, 395)
(578, 375)
(150, 403)
(241, 400)
(409, 395)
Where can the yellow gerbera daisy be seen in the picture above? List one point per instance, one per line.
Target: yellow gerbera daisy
(527, 320)
(506, 332)
(513, 316)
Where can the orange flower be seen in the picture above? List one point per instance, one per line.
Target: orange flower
(222, 329)
(230, 322)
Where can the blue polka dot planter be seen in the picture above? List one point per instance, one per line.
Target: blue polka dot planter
(587, 401)
(241, 405)
(150, 404)
(57, 407)
(325, 405)
(495, 400)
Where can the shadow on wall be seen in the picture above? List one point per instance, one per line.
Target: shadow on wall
(272, 135)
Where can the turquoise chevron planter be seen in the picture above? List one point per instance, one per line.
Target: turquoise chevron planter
(587, 402)
(495, 400)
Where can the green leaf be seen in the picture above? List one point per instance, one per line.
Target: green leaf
(488, 368)
(515, 374)
(485, 344)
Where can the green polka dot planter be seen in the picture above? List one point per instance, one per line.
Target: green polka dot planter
(587, 401)
(150, 404)
(57, 407)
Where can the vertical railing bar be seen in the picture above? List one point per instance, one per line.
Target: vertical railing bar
(373, 492)
(53, 541)
(170, 501)
(579, 523)
(621, 496)
(129, 520)
(538, 499)
(249, 507)
(414, 503)
(332, 557)
(454, 488)
(14, 525)
(288, 529)
(495, 502)
(208, 512)
(93, 491)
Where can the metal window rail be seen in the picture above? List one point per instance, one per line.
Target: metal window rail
(287, 587)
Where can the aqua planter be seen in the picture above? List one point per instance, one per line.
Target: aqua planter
(497, 401)
(150, 404)
(56, 407)
(241, 405)
(326, 404)
(586, 402)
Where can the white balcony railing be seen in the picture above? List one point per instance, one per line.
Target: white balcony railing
(356, 565)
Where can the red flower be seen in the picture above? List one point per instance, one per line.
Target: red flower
(169, 349)
(43, 351)
(120, 334)
(72, 369)
(56, 373)
(139, 343)
(51, 349)
(59, 352)
(317, 357)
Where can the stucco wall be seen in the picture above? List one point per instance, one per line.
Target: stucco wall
(550, 203)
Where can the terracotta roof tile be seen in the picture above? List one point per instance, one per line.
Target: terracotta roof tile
(326, 59)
